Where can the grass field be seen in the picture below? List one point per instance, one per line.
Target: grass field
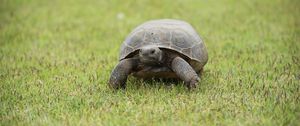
(56, 57)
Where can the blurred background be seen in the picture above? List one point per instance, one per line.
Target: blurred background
(56, 57)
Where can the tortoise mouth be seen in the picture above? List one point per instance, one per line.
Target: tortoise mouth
(151, 60)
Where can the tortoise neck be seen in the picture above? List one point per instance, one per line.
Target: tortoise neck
(168, 57)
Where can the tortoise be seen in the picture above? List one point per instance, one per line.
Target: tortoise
(164, 48)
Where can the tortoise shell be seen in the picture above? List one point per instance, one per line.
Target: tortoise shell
(175, 35)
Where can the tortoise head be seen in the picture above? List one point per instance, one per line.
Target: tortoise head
(151, 55)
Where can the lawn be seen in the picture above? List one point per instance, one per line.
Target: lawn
(56, 57)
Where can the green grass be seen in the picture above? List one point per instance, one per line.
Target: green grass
(56, 57)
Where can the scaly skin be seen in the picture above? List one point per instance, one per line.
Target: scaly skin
(120, 73)
(185, 72)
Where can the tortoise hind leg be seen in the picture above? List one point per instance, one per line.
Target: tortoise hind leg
(185, 72)
(120, 73)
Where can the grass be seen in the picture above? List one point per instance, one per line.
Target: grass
(56, 57)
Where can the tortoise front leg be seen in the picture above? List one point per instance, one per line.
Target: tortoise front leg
(120, 73)
(185, 72)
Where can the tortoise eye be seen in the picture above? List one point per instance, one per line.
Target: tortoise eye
(152, 51)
